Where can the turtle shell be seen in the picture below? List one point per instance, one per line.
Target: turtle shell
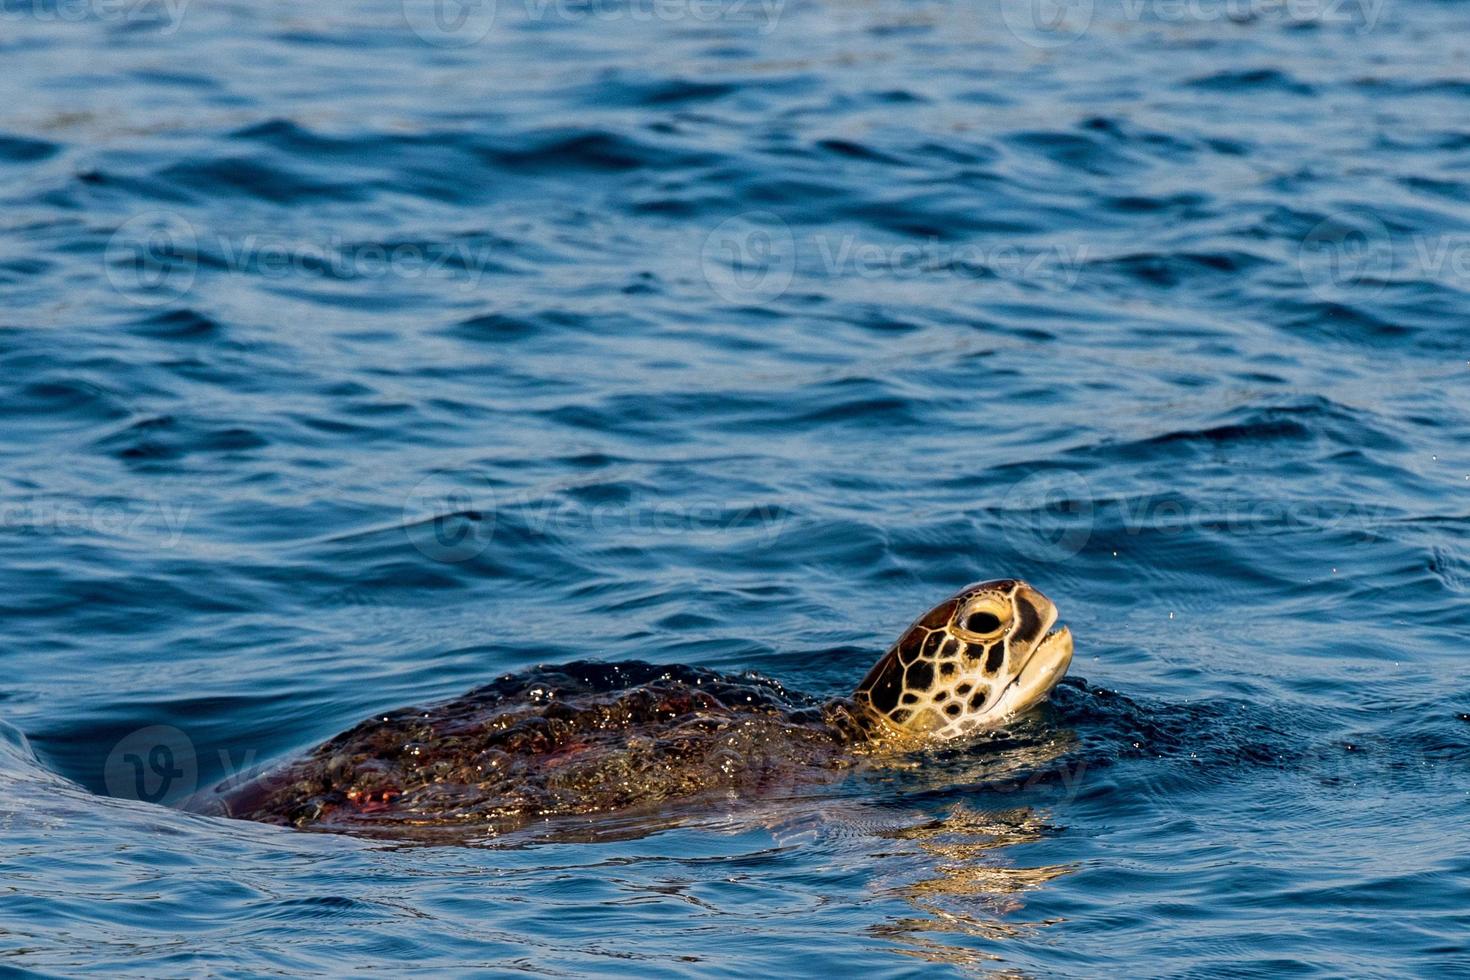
(554, 741)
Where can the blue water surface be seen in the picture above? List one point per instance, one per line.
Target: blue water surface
(352, 354)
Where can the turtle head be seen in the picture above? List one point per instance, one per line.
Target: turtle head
(977, 659)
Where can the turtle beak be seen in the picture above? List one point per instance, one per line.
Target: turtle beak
(1041, 672)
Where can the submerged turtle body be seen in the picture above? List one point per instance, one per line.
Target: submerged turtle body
(590, 738)
(578, 738)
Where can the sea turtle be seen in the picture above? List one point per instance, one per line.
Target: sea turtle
(602, 738)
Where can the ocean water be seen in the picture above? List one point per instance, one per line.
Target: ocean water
(354, 354)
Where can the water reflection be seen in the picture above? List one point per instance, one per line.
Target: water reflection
(974, 891)
(967, 886)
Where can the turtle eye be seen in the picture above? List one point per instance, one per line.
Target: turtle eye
(982, 619)
(981, 622)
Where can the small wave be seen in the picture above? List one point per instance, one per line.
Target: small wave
(164, 438)
(1250, 80)
(22, 149)
(1080, 151)
(1171, 269)
(64, 398)
(258, 178)
(584, 151)
(658, 92)
(179, 324)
